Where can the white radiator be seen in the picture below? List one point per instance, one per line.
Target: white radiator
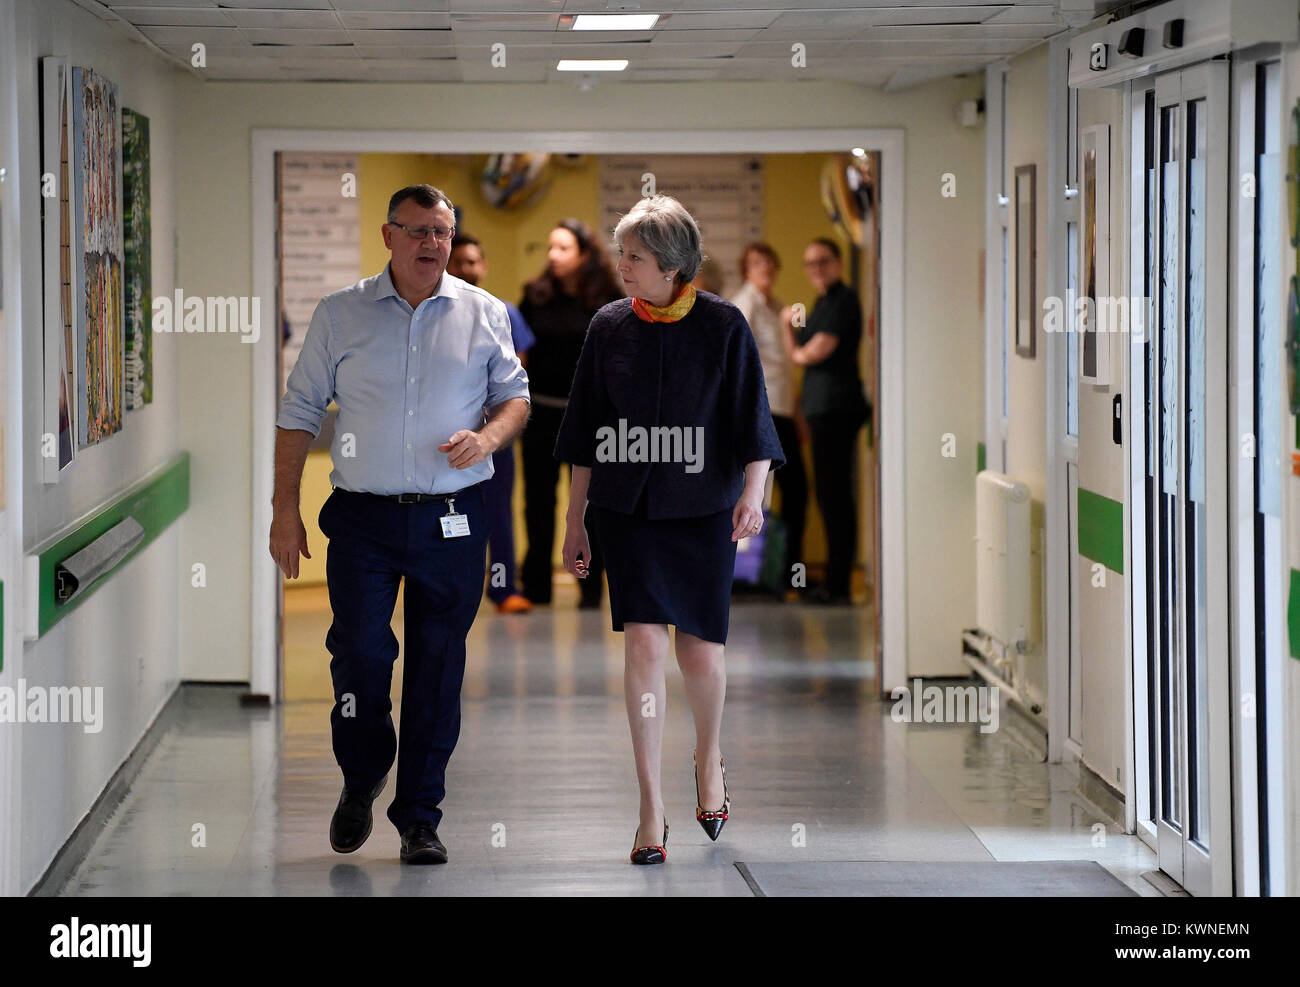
(1002, 601)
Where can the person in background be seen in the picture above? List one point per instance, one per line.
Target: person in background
(558, 305)
(668, 357)
(759, 265)
(834, 405)
(469, 264)
(710, 276)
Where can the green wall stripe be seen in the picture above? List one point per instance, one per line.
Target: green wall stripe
(1293, 614)
(155, 501)
(1101, 530)
(981, 457)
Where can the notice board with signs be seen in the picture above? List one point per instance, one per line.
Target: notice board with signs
(724, 192)
(320, 242)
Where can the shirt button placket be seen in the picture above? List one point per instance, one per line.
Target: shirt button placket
(412, 397)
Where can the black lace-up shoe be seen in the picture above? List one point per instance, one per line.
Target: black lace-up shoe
(420, 845)
(353, 819)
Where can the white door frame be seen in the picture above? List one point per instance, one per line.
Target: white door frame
(1246, 748)
(891, 595)
(1138, 809)
(11, 515)
(996, 201)
(1201, 873)
(1062, 449)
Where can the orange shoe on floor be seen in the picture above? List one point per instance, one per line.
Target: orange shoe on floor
(514, 603)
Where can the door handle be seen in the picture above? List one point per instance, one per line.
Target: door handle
(1117, 419)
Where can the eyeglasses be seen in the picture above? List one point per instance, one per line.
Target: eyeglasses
(422, 232)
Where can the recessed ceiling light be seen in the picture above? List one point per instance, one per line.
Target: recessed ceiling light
(592, 64)
(614, 22)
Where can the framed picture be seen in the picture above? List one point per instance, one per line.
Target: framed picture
(96, 172)
(1094, 255)
(59, 438)
(1026, 260)
(137, 260)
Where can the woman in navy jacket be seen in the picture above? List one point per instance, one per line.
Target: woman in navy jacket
(670, 439)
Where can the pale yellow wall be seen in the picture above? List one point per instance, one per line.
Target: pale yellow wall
(514, 242)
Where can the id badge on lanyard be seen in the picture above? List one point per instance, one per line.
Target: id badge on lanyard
(454, 525)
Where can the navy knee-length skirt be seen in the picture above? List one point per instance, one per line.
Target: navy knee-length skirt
(674, 571)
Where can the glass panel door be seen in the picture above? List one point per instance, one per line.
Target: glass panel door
(1181, 237)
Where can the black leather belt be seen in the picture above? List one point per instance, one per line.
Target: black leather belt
(416, 498)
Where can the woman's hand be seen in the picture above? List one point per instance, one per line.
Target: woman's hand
(747, 516)
(575, 545)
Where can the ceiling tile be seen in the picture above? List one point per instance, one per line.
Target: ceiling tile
(395, 20)
(208, 36)
(274, 36)
(440, 39)
(298, 19)
(174, 16)
(505, 22)
(720, 19)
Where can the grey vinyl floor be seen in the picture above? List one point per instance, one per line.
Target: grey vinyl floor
(542, 795)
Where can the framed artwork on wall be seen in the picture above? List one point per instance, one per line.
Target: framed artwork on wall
(61, 399)
(97, 253)
(1094, 257)
(1026, 261)
(137, 260)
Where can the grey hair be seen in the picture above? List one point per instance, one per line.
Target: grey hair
(669, 233)
(425, 196)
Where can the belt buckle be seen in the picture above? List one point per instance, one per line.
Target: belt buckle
(402, 498)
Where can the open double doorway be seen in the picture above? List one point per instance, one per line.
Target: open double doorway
(884, 493)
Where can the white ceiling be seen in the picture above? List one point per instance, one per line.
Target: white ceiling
(869, 42)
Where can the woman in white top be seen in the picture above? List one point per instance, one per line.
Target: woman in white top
(759, 265)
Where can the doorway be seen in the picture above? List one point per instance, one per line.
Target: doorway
(890, 595)
(1179, 224)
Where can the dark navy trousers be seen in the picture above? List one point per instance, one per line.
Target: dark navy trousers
(373, 544)
(497, 491)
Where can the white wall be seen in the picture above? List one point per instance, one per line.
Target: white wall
(124, 638)
(1026, 115)
(1099, 610)
(941, 307)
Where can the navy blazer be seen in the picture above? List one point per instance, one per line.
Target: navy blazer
(690, 392)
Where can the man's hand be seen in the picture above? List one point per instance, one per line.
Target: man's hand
(288, 538)
(465, 449)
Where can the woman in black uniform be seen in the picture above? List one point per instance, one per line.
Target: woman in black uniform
(670, 438)
(557, 305)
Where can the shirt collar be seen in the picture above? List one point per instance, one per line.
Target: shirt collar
(447, 286)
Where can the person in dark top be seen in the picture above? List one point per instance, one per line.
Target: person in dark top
(557, 305)
(670, 438)
(834, 406)
(469, 263)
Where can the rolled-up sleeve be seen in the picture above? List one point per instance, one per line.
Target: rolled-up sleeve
(310, 387)
(506, 376)
(753, 436)
(585, 412)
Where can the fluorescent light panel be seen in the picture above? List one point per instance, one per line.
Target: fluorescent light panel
(614, 22)
(592, 64)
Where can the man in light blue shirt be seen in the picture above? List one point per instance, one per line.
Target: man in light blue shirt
(428, 387)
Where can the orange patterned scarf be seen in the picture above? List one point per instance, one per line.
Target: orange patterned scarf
(671, 312)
